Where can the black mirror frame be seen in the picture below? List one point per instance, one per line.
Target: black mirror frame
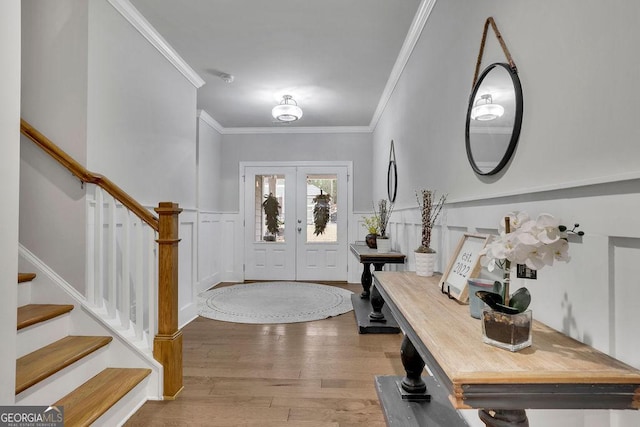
(516, 125)
(392, 192)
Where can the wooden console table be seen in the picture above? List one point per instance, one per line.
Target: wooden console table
(556, 372)
(371, 315)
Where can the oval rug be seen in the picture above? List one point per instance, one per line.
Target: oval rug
(274, 302)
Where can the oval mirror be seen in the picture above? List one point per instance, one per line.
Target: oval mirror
(494, 118)
(392, 175)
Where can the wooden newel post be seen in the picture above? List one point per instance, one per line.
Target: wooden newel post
(167, 345)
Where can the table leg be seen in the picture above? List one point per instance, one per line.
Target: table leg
(504, 417)
(366, 280)
(413, 364)
(376, 303)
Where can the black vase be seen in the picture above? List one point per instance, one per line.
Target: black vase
(371, 240)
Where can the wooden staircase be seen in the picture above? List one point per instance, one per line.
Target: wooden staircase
(89, 401)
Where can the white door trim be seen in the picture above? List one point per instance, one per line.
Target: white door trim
(241, 181)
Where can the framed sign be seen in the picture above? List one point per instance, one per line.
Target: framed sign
(463, 265)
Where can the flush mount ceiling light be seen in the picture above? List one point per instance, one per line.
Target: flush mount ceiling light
(485, 109)
(287, 110)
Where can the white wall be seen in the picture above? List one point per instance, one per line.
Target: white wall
(354, 147)
(9, 177)
(209, 164)
(573, 160)
(141, 120)
(54, 88)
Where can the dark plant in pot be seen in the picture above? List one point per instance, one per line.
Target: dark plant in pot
(372, 224)
(535, 243)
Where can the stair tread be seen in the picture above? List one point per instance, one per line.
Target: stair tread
(46, 361)
(31, 314)
(92, 399)
(26, 277)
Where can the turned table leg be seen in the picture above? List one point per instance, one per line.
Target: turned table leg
(504, 417)
(366, 280)
(377, 301)
(412, 384)
(376, 304)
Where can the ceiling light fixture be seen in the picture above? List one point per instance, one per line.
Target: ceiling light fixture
(487, 110)
(287, 110)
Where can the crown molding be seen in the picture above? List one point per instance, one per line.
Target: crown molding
(205, 117)
(419, 21)
(300, 129)
(135, 18)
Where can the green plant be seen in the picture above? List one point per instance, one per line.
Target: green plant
(372, 224)
(321, 212)
(271, 208)
(429, 211)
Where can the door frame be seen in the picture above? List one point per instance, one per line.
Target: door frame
(322, 163)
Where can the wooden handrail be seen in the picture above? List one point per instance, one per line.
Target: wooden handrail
(86, 176)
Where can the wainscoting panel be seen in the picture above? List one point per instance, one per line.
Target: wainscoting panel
(187, 267)
(624, 297)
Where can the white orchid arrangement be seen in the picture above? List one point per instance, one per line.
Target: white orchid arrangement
(533, 242)
(522, 240)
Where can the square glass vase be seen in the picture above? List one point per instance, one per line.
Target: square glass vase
(509, 331)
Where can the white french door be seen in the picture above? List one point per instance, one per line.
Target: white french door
(305, 246)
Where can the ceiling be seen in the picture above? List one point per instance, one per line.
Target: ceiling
(335, 57)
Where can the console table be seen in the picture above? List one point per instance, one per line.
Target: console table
(371, 315)
(556, 372)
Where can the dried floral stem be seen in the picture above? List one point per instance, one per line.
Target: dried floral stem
(429, 213)
(383, 214)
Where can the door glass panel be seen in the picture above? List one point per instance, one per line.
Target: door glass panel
(322, 208)
(269, 208)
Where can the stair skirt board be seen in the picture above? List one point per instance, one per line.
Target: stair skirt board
(49, 287)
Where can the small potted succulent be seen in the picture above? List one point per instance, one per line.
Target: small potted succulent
(429, 211)
(383, 213)
(535, 243)
(372, 224)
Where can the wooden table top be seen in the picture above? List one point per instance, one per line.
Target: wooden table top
(555, 372)
(366, 254)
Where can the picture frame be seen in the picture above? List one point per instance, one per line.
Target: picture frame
(464, 264)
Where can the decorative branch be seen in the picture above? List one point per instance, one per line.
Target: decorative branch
(429, 212)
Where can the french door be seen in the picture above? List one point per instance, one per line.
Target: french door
(308, 239)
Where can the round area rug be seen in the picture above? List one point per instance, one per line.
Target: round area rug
(274, 302)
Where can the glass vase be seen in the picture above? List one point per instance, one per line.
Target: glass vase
(509, 331)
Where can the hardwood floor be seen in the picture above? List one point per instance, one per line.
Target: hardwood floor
(315, 374)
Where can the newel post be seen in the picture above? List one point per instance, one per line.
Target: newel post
(167, 345)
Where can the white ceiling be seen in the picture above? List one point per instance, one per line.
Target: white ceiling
(334, 57)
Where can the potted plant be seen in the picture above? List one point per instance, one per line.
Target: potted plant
(383, 213)
(372, 225)
(429, 211)
(271, 208)
(321, 211)
(522, 240)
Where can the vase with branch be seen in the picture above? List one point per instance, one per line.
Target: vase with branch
(430, 207)
(383, 213)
